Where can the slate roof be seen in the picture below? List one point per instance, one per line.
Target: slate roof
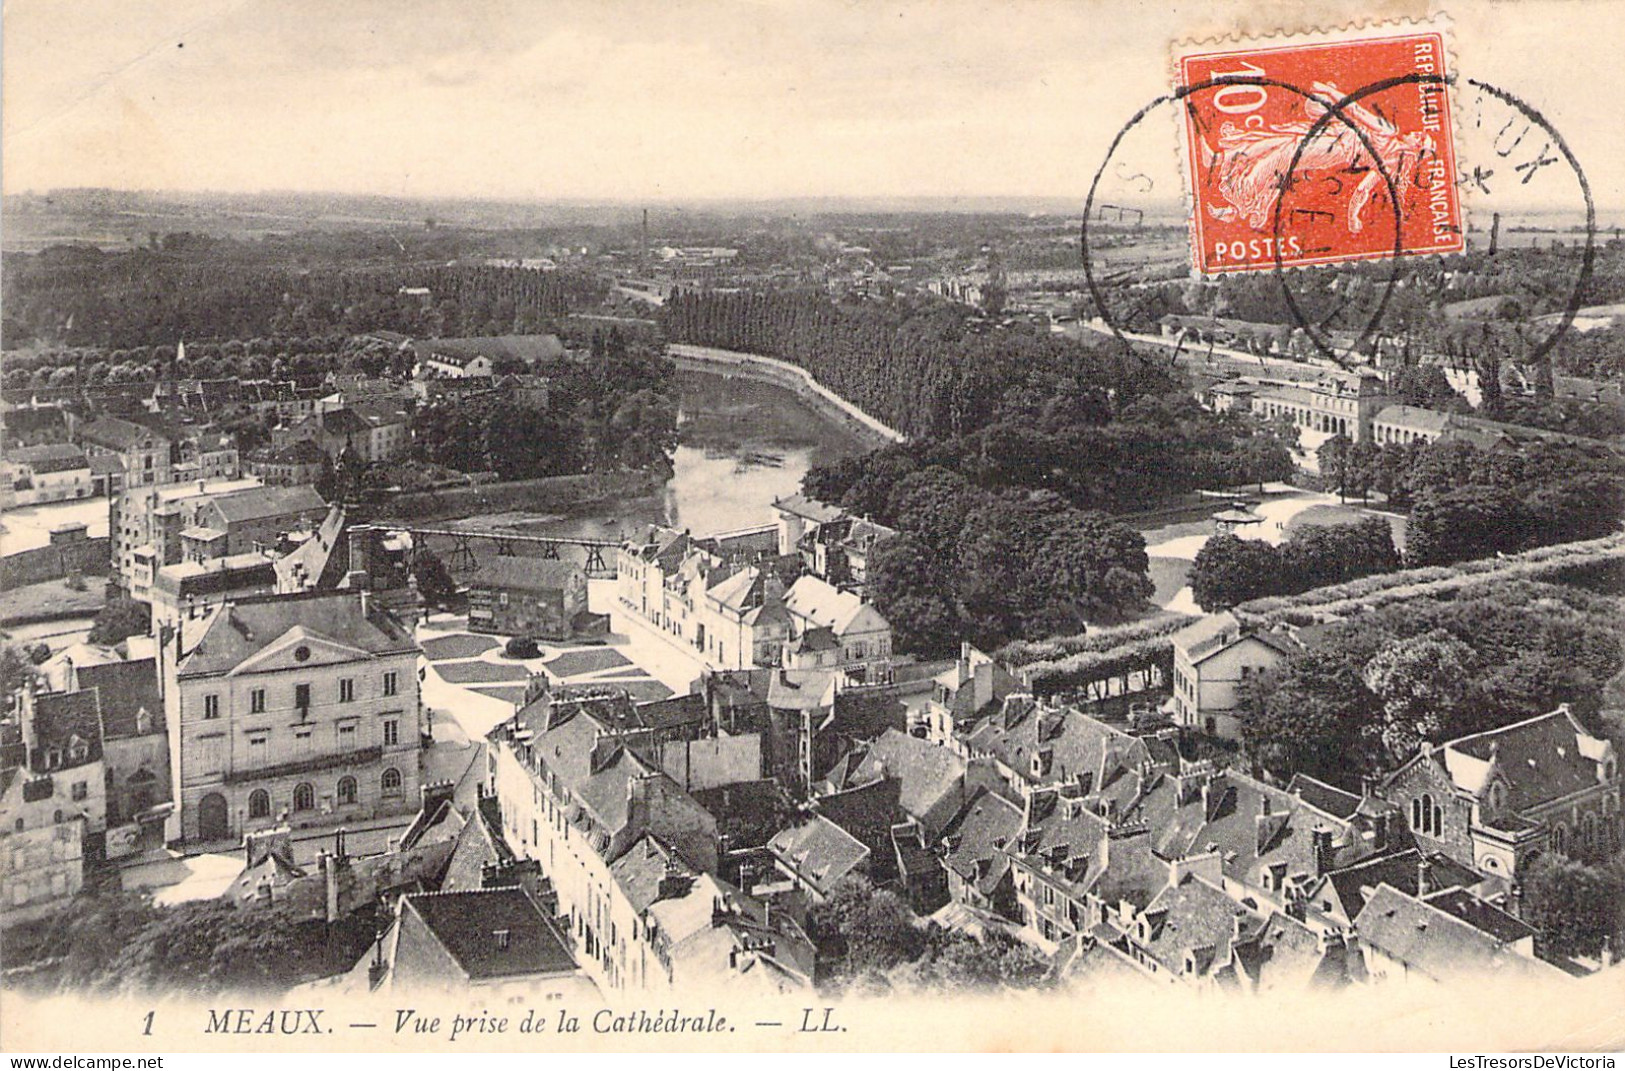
(978, 837)
(1326, 797)
(1410, 416)
(734, 592)
(930, 773)
(790, 689)
(118, 433)
(342, 422)
(664, 546)
(51, 457)
(1480, 915)
(1437, 945)
(524, 574)
(467, 925)
(261, 503)
(62, 720)
(381, 414)
(527, 348)
(819, 851)
(239, 630)
(1398, 870)
(1065, 839)
(1069, 746)
(1543, 759)
(809, 509)
(126, 688)
(822, 603)
(748, 813)
(1231, 818)
(475, 846)
(1216, 632)
(565, 736)
(1195, 917)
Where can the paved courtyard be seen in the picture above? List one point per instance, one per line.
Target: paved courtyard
(471, 678)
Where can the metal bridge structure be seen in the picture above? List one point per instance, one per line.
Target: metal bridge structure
(456, 547)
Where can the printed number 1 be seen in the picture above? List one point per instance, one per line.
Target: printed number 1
(147, 1030)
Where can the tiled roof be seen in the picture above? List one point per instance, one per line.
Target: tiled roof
(524, 574)
(1437, 945)
(819, 851)
(261, 503)
(493, 933)
(237, 631)
(978, 837)
(52, 457)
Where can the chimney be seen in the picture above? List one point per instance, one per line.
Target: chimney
(1369, 784)
(1424, 877)
(675, 883)
(1321, 838)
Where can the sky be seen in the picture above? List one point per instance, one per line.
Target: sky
(671, 99)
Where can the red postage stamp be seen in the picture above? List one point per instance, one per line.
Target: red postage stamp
(1320, 153)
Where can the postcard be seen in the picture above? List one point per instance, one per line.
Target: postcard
(535, 525)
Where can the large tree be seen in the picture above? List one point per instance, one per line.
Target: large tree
(1574, 907)
(120, 619)
(912, 588)
(1229, 570)
(1421, 683)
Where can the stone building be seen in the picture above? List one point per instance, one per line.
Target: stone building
(304, 706)
(531, 597)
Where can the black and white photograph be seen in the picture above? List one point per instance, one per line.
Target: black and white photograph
(809, 526)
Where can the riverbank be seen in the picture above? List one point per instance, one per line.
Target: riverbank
(563, 494)
(794, 378)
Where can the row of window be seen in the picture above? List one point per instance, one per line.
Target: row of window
(1427, 817)
(301, 695)
(304, 794)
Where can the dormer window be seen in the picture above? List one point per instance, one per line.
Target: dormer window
(502, 937)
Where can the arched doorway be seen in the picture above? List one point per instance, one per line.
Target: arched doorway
(212, 821)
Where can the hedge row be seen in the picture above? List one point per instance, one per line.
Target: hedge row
(1464, 578)
(1103, 640)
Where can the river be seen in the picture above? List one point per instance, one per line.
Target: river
(741, 444)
